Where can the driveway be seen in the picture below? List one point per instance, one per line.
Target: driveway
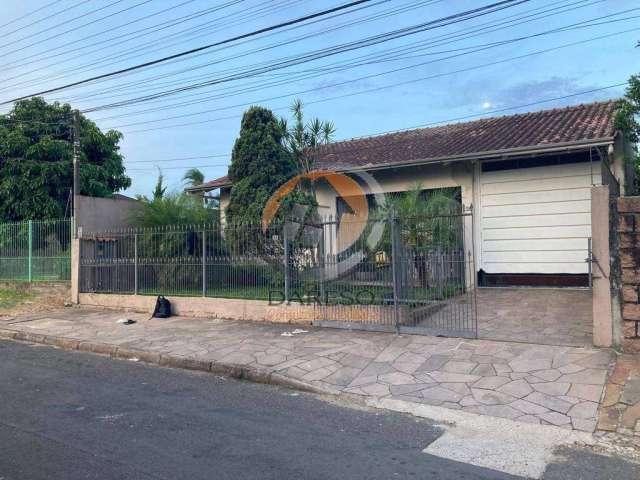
(547, 316)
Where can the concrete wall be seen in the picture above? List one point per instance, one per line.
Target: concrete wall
(237, 309)
(603, 325)
(99, 214)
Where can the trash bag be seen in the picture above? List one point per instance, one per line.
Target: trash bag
(163, 308)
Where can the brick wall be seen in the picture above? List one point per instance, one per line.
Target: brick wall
(628, 243)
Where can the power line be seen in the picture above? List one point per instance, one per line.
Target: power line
(31, 13)
(460, 34)
(440, 122)
(322, 53)
(195, 50)
(385, 57)
(66, 9)
(375, 89)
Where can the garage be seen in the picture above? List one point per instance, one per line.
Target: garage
(535, 220)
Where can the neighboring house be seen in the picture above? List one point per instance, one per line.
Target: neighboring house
(526, 177)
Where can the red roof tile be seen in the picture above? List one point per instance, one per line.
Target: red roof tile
(579, 123)
(530, 130)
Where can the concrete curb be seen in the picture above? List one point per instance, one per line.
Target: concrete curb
(240, 372)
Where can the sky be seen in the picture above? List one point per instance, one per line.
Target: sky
(437, 71)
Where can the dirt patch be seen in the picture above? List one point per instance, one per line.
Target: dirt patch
(23, 298)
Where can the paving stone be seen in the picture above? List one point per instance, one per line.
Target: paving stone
(409, 357)
(609, 418)
(436, 395)
(318, 374)
(552, 388)
(571, 400)
(484, 369)
(586, 392)
(451, 405)
(460, 388)
(396, 378)
(491, 383)
(270, 359)
(458, 367)
(584, 424)
(434, 362)
(491, 397)
(571, 368)
(501, 368)
(548, 375)
(528, 407)
(588, 376)
(631, 392)
(406, 389)
(584, 410)
(343, 376)
(447, 377)
(409, 368)
(519, 375)
(504, 411)
(378, 368)
(612, 394)
(547, 401)
(376, 390)
(516, 388)
(363, 380)
(630, 416)
(530, 364)
(555, 418)
(356, 361)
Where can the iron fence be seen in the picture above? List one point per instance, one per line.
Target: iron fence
(36, 250)
(389, 273)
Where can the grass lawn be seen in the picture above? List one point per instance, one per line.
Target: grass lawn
(10, 297)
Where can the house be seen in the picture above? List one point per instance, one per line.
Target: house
(527, 179)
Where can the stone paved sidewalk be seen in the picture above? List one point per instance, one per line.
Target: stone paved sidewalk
(620, 407)
(531, 383)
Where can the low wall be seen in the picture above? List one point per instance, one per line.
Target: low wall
(238, 309)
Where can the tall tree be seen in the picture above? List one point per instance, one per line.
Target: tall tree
(628, 120)
(304, 140)
(193, 177)
(260, 163)
(36, 160)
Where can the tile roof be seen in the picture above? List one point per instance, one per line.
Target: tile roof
(210, 185)
(529, 130)
(545, 128)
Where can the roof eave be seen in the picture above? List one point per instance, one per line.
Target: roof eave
(504, 153)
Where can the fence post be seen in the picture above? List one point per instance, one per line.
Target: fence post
(204, 262)
(30, 258)
(322, 264)
(135, 264)
(395, 268)
(286, 263)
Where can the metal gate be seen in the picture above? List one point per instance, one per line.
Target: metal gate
(419, 279)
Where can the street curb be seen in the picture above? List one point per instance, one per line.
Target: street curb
(239, 372)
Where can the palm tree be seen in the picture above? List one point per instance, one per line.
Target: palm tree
(193, 177)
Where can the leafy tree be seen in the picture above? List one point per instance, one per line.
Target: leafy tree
(260, 163)
(193, 177)
(173, 208)
(160, 188)
(36, 153)
(304, 140)
(627, 120)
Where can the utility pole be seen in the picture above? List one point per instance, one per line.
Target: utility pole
(76, 168)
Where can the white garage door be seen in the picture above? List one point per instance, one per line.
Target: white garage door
(536, 220)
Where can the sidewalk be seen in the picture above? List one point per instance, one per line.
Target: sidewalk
(538, 384)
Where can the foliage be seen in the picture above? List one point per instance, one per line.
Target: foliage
(36, 161)
(627, 120)
(174, 208)
(193, 177)
(260, 163)
(160, 188)
(304, 140)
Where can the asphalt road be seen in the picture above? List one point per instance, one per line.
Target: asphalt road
(70, 415)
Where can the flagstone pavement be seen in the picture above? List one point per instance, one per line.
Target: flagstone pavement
(543, 384)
